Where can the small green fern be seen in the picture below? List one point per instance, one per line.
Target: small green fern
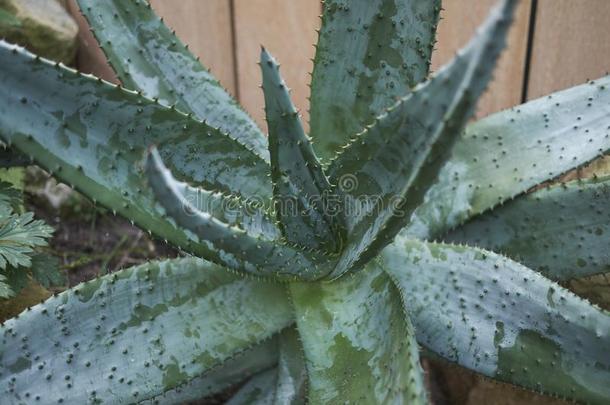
(20, 236)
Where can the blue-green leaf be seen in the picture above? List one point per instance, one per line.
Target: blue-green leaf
(285, 384)
(499, 318)
(291, 370)
(259, 390)
(359, 348)
(147, 56)
(508, 153)
(136, 334)
(232, 246)
(369, 53)
(395, 160)
(248, 214)
(233, 371)
(562, 231)
(300, 187)
(94, 135)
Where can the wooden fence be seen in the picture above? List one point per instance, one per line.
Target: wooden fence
(553, 44)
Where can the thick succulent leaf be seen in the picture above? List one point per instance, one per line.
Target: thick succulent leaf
(291, 370)
(248, 214)
(250, 362)
(499, 318)
(285, 384)
(509, 152)
(232, 246)
(147, 56)
(136, 334)
(395, 160)
(107, 127)
(19, 235)
(358, 346)
(93, 135)
(369, 53)
(562, 231)
(300, 186)
(260, 390)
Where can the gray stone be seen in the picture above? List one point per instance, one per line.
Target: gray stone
(42, 26)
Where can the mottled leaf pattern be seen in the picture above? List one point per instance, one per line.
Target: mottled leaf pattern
(356, 299)
(358, 346)
(300, 186)
(510, 152)
(231, 372)
(231, 246)
(94, 135)
(171, 321)
(292, 372)
(501, 319)
(399, 157)
(147, 56)
(562, 231)
(369, 53)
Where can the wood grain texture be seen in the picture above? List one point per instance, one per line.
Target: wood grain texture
(287, 29)
(571, 44)
(460, 20)
(205, 25)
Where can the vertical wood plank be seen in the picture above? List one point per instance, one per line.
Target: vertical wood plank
(571, 44)
(287, 30)
(204, 25)
(460, 20)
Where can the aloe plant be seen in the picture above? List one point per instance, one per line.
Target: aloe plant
(311, 273)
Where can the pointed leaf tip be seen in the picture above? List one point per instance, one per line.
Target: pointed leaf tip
(106, 164)
(201, 93)
(232, 246)
(363, 63)
(300, 184)
(467, 187)
(398, 157)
